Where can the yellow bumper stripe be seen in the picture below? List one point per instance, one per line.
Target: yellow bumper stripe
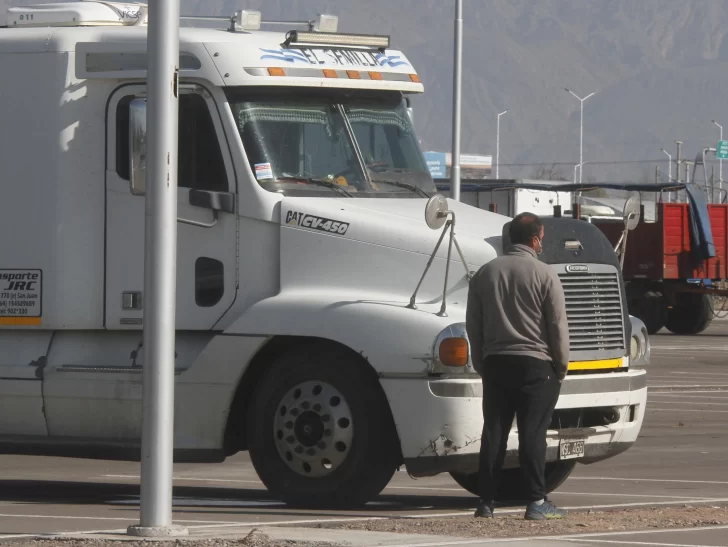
(596, 365)
(19, 321)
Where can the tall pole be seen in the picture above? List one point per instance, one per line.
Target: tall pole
(581, 143)
(669, 165)
(720, 172)
(160, 268)
(581, 131)
(497, 144)
(457, 95)
(678, 159)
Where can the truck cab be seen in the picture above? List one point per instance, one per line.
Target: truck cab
(301, 238)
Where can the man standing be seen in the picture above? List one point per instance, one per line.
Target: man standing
(519, 337)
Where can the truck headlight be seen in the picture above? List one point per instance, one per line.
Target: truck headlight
(634, 347)
(639, 347)
(451, 351)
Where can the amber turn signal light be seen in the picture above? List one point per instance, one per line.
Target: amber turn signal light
(454, 352)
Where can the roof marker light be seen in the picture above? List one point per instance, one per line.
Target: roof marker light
(342, 40)
(247, 19)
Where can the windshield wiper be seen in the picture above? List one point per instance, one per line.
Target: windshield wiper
(410, 187)
(321, 182)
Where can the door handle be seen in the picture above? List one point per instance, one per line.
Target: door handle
(200, 224)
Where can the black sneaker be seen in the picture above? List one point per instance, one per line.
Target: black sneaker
(545, 511)
(484, 510)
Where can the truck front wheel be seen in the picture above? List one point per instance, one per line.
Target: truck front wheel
(320, 432)
(691, 314)
(651, 308)
(511, 487)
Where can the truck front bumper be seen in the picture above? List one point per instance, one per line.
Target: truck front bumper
(440, 421)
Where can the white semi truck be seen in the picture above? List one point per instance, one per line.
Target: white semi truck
(302, 236)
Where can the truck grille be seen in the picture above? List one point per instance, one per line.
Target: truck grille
(594, 311)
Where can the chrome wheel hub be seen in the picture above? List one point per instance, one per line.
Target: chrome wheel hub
(313, 429)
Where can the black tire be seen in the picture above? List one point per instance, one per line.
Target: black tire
(652, 310)
(649, 306)
(363, 463)
(692, 314)
(511, 487)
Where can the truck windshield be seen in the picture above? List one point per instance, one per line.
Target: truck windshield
(323, 144)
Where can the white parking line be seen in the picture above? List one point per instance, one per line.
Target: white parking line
(573, 537)
(708, 382)
(600, 494)
(699, 373)
(698, 382)
(701, 403)
(687, 410)
(586, 538)
(597, 535)
(622, 542)
(570, 478)
(191, 479)
(691, 386)
(451, 542)
(559, 492)
(442, 489)
(688, 348)
(72, 517)
(676, 393)
(454, 514)
(683, 396)
(624, 479)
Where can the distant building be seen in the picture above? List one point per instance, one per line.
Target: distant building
(471, 166)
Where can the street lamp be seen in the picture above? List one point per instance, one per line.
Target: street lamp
(669, 165)
(457, 96)
(578, 166)
(581, 131)
(720, 176)
(497, 143)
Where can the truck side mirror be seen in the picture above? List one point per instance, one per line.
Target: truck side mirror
(410, 110)
(138, 146)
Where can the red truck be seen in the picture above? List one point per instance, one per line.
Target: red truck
(670, 276)
(668, 283)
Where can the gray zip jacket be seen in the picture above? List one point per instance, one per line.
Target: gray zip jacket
(516, 306)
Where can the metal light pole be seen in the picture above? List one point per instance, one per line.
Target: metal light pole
(578, 166)
(160, 269)
(457, 95)
(581, 130)
(669, 165)
(497, 144)
(720, 172)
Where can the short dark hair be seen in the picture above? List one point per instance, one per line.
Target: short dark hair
(523, 228)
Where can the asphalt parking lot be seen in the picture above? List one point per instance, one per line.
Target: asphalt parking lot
(680, 459)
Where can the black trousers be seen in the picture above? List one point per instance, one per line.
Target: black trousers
(528, 389)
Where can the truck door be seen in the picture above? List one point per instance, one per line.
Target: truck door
(93, 383)
(207, 237)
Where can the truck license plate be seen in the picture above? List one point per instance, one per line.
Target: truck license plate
(571, 448)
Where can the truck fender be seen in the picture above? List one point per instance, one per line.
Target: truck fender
(391, 337)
